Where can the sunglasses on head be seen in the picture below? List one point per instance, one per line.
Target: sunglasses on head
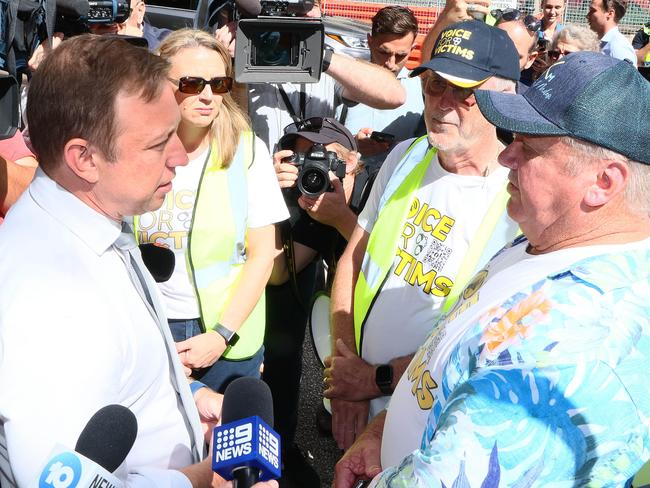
(532, 23)
(315, 124)
(193, 85)
(311, 124)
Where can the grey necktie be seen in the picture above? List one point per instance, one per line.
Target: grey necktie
(130, 253)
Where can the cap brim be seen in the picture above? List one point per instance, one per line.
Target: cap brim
(323, 137)
(513, 113)
(452, 69)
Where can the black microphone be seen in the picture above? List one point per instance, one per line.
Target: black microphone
(102, 446)
(108, 436)
(247, 450)
(159, 260)
(249, 8)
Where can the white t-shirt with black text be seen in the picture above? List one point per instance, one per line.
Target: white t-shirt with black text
(445, 214)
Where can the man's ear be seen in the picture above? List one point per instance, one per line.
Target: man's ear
(610, 181)
(139, 11)
(531, 59)
(79, 156)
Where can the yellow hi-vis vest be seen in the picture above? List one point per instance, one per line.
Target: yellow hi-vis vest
(216, 245)
(392, 212)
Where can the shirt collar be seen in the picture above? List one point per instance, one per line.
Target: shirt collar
(403, 73)
(97, 231)
(610, 34)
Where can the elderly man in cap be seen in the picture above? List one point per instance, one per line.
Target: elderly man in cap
(538, 375)
(435, 215)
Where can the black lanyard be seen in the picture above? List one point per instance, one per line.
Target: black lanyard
(303, 102)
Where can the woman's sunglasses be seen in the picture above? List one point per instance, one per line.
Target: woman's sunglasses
(555, 54)
(193, 85)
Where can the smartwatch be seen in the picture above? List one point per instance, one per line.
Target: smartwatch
(229, 336)
(384, 378)
(327, 58)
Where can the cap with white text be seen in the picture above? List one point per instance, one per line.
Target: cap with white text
(587, 96)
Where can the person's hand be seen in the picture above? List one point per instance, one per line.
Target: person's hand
(202, 350)
(328, 207)
(459, 10)
(540, 65)
(348, 377)
(361, 461)
(286, 173)
(368, 146)
(226, 35)
(43, 50)
(208, 403)
(348, 420)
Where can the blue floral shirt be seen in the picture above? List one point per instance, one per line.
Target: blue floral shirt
(547, 387)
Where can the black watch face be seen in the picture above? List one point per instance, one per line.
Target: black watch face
(233, 340)
(384, 375)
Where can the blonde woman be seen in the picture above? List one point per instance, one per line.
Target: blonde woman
(552, 12)
(218, 219)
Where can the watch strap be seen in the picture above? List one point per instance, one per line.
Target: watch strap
(384, 378)
(229, 336)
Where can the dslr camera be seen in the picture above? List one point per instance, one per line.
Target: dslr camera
(313, 169)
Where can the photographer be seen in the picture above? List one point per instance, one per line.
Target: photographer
(274, 105)
(319, 226)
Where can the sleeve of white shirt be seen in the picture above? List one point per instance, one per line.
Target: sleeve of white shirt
(623, 51)
(368, 215)
(265, 202)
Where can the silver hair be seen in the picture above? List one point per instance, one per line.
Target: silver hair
(637, 190)
(581, 36)
(503, 85)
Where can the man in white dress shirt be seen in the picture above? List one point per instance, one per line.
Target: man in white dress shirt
(76, 334)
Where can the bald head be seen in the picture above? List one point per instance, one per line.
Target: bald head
(524, 40)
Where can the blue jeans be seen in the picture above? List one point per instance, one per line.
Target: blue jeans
(221, 373)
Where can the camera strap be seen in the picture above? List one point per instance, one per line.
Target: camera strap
(290, 259)
(297, 118)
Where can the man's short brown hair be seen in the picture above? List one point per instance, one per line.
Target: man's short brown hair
(619, 7)
(395, 20)
(73, 93)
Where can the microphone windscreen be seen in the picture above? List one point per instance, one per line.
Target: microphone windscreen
(249, 8)
(246, 397)
(159, 260)
(72, 8)
(108, 436)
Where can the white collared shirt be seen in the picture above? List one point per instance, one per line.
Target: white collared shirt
(616, 45)
(76, 336)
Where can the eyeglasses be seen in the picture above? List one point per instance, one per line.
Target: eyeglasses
(555, 54)
(436, 85)
(532, 23)
(193, 85)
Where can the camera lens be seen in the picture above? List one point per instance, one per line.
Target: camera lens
(313, 182)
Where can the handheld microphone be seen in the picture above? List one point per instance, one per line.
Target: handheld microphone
(159, 260)
(102, 446)
(246, 449)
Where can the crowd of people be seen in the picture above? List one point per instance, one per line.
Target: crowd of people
(483, 236)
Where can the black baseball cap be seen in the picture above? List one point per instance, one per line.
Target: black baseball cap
(468, 53)
(585, 95)
(324, 130)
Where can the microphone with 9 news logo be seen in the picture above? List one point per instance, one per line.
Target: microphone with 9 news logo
(246, 449)
(102, 446)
